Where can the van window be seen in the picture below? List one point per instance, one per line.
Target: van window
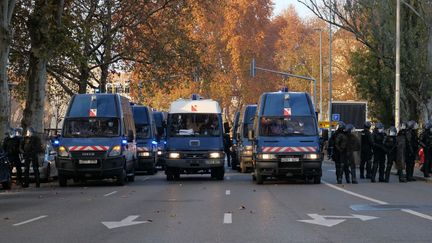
(104, 104)
(293, 126)
(140, 115)
(91, 127)
(142, 130)
(202, 125)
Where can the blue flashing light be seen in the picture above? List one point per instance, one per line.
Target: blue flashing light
(154, 142)
(124, 142)
(56, 142)
(165, 142)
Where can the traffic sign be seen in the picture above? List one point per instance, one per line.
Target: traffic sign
(335, 117)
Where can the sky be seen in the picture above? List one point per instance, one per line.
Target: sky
(280, 5)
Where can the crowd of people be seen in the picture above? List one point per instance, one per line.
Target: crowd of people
(25, 147)
(379, 150)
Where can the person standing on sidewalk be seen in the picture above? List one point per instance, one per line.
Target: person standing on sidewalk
(378, 137)
(391, 143)
(411, 152)
(366, 151)
(426, 143)
(31, 147)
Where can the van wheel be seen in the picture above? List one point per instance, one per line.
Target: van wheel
(7, 185)
(169, 174)
(62, 180)
(259, 178)
(317, 179)
(121, 178)
(219, 173)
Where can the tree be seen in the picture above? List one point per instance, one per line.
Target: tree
(45, 30)
(6, 12)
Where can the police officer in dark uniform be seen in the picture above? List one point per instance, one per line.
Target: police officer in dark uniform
(31, 147)
(379, 149)
(227, 143)
(411, 151)
(391, 144)
(352, 147)
(366, 151)
(426, 143)
(11, 145)
(334, 152)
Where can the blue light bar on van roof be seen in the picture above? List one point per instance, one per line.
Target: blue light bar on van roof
(154, 142)
(124, 142)
(195, 97)
(56, 142)
(284, 89)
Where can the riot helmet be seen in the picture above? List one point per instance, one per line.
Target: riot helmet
(380, 127)
(340, 126)
(403, 126)
(11, 132)
(411, 124)
(349, 128)
(428, 125)
(29, 132)
(367, 125)
(392, 131)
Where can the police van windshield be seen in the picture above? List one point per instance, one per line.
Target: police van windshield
(283, 126)
(91, 127)
(142, 130)
(202, 125)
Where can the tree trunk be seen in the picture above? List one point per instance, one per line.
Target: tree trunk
(6, 10)
(430, 50)
(83, 79)
(106, 59)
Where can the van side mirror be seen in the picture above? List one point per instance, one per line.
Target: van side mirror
(130, 136)
(251, 135)
(325, 134)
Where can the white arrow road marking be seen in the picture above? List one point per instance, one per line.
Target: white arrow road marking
(30, 220)
(109, 194)
(227, 218)
(325, 220)
(412, 212)
(227, 192)
(128, 221)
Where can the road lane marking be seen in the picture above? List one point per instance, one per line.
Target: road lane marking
(354, 194)
(109, 194)
(409, 211)
(30, 220)
(227, 177)
(128, 221)
(421, 215)
(227, 192)
(227, 218)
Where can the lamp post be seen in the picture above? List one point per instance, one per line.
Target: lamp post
(330, 70)
(397, 85)
(321, 72)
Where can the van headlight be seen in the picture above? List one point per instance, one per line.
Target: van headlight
(174, 155)
(115, 151)
(144, 154)
(159, 152)
(215, 155)
(62, 151)
(311, 156)
(267, 156)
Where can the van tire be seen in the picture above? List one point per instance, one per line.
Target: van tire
(121, 178)
(62, 180)
(7, 185)
(169, 174)
(317, 179)
(259, 178)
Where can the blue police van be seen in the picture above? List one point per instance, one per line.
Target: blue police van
(97, 140)
(160, 121)
(285, 137)
(146, 139)
(194, 139)
(244, 145)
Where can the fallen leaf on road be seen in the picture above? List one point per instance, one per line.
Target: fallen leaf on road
(173, 215)
(149, 220)
(242, 207)
(252, 212)
(6, 218)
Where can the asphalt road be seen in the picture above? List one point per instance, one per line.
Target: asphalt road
(198, 209)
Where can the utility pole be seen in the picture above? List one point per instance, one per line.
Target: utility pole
(397, 86)
(321, 73)
(330, 69)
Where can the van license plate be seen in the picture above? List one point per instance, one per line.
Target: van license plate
(88, 162)
(290, 160)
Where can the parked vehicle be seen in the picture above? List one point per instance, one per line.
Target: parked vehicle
(234, 149)
(146, 139)
(5, 172)
(194, 138)
(285, 137)
(244, 145)
(160, 120)
(98, 139)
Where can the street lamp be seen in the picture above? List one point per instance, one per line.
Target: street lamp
(321, 72)
(397, 85)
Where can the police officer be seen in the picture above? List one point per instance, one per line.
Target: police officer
(391, 144)
(352, 147)
(378, 137)
(426, 143)
(411, 150)
(11, 145)
(334, 152)
(227, 143)
(366, 151)
(31, 146)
